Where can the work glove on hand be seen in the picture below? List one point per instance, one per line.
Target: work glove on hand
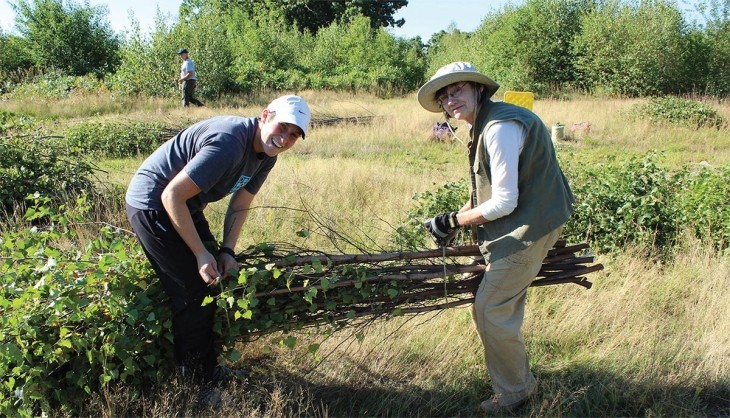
(443, 228)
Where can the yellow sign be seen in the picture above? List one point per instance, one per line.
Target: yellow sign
(520, 98)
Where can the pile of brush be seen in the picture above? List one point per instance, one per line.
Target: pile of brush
(280, 289)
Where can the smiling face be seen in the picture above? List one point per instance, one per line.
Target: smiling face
(459, 100)
(275, 137)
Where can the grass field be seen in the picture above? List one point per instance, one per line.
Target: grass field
(649, 339)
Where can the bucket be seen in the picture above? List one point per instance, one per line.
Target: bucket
(558, 132)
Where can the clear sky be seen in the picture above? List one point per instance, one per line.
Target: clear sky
(423, 17)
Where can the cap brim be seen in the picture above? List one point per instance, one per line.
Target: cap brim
(427, 92)
(292, 120)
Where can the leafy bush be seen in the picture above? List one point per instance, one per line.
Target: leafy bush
(676, 111)
(149, 65)
(702, 204)
(29, 165)
(618, 203)
(632, 49)
(621, 203)
(75, 38)
(11, 123)
(447, 198)
(77, 314)
(54, 84)
(115, 139)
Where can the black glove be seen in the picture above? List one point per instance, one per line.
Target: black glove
(443, 228)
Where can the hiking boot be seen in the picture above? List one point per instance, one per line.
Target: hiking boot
(210, 398)
(224, 375)
(492, 406)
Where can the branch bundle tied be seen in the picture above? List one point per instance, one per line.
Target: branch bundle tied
(285, 289)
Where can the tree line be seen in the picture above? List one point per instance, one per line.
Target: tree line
(604, 47)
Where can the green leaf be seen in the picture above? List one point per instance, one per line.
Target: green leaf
(207, 301)
(290, 341)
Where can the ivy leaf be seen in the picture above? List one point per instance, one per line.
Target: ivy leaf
(207, 301)
(317, 265)
(290, 341)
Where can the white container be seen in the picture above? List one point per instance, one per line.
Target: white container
(558, 132)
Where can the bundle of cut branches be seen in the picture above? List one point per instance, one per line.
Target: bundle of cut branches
(280, 289)
(330, 120)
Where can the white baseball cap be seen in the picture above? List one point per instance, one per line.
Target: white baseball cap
(292, 109)
(450, 74)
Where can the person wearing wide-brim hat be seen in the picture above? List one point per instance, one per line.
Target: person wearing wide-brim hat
(519, 202)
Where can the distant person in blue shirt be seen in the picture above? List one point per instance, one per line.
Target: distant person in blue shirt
(188, 79)
(220, 156)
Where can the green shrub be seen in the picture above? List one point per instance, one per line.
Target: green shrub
(632, 49)
(11, 123)
(702, 205)
(621, 203)
(30, 164)
(450, 197)
(53, 84)
(78, 314)
(676, 111)
(618, 203)
(115, 139)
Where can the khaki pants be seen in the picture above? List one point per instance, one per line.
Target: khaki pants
(498, 312)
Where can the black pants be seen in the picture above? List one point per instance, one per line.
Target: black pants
(177, 270)
(188, 89)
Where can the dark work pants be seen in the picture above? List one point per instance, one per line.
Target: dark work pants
(188, 89)
(177, 269)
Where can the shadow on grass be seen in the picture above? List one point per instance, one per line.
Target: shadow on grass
(576, 391)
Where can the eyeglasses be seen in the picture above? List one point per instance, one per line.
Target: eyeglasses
(450, 92)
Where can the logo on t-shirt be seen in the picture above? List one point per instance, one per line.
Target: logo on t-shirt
(240, 183)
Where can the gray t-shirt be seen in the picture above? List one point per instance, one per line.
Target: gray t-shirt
(216, 153)
(188, 66)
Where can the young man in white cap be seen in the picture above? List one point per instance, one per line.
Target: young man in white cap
(188, 79)
(520, 200)
(165, 200)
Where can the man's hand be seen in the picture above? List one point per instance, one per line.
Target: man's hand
(227, 263)
(443, 228)
(208, 268)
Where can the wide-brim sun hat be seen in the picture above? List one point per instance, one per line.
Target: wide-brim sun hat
(292, 109)
(450, 74)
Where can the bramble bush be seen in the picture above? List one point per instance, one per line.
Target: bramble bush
(623, 202)
(115, 138)
(450, 197)
(11, 123)
(76, 314)
(618, 203)
(678, 111)
(30, 164)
